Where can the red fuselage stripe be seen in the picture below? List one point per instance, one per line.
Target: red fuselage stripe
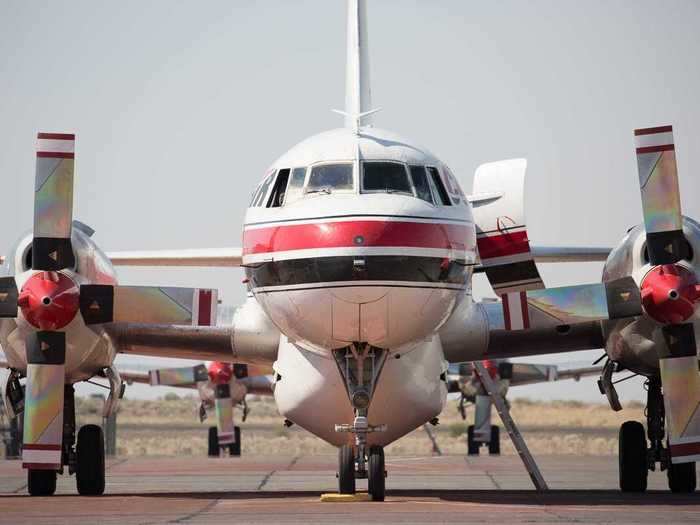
(503, 245)
(355, 234)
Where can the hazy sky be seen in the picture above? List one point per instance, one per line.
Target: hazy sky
(179, 107)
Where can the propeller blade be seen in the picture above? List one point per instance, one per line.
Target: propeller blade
(224, 414)
(571, 304)
(189, 375)
(53, 202)
(8, 297)
(658, 181)
(681, 386)
(43, 413)
(100, 303)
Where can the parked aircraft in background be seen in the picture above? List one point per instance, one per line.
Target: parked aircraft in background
(462, 378)
(359, 248)
(220, 386)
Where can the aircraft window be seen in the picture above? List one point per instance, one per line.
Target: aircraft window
(328, 177)
(420, 182)
(278, 190)
(385, 176)
(437, 184)
(259, 196)
(296, 185)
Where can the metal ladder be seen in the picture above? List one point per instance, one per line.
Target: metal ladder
(515, 436)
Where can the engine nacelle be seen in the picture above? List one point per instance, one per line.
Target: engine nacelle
(634, 342)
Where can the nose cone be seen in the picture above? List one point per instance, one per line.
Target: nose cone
(49, 300)
(669, 293)
(220, 373)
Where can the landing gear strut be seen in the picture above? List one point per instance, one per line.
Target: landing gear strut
(637, 456)
(360, 365)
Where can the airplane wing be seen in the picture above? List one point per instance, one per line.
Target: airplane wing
(205, 343)
(528, 373)
(206, 257)
(250, 338)
(134, 377)
(569, 254)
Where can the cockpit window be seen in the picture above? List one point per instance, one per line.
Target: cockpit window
(385, 176)
(437, 184)
(295, 190)
(259, 196)
(420, 182)
(329, 177)
(279, 189)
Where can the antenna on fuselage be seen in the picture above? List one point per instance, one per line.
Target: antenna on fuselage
(357, 88)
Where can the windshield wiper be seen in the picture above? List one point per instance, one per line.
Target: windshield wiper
(325, 191)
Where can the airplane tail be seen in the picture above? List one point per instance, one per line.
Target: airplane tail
(358, 101)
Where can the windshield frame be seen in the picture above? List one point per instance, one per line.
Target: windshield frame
(327, 190)
(412, 189)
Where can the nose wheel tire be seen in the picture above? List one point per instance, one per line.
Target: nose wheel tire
(633, 457)
(472, 446)
(213, 443)
(41, 482)
(346, 470)
(682, 477)
(90, 472)
(495, 443)
(376, 474)
(235, 448)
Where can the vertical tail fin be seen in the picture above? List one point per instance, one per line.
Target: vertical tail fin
(357, 87)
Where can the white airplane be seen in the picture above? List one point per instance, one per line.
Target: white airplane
(359, 248)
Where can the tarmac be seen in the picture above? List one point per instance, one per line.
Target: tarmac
(286, 489)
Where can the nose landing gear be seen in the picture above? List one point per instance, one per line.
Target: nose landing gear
(361, 462)
(360, 365)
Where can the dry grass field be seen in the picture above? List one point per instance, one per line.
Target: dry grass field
(169, 427)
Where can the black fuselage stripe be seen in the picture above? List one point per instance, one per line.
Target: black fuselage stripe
(359, 285)
(397, 268)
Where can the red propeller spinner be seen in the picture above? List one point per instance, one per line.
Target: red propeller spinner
(220, 373)
(669, 293)
(49, 300)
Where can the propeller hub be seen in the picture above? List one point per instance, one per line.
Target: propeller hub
(669, 293)
(49, 300)
(220, 373)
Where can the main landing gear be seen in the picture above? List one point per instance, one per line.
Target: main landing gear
(214, 448)
(86, 460)
(360, 365)
(637, 456)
